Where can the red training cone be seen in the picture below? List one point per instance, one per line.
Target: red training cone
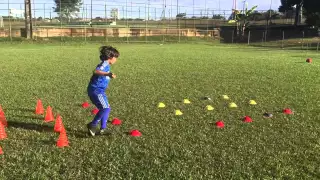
(1, 151)
(95, 111)
(135, 133)
(247, 119)
(116, 121)
(58, 124)
(49, 115)
(63, 140)
(287, 111)
(309, 60)
(39, 107)
(85, 105)
(3, 134)
(3, 119)
(220, 124)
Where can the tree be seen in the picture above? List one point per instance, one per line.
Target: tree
(242, 19)
(67, 8)
(289, 4)
(181, 15)
(312, 12)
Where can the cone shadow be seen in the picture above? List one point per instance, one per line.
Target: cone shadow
(30, 126)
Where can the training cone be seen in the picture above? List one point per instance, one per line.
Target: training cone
(85, 105)
(186, 101)
(287, 111)
(3, 119)
(63, 140)
(3, 134)
(252, 102)
(58, 124)
(1, 151)
(49, 115)
(161, 105)
(247, 119)
(309, 60)
(210, 108)
(116, 121)
(39, 107)
(233, 105)
(135, 133)
(225, 97)
(178, 113)
(220, 124)
(95, 111)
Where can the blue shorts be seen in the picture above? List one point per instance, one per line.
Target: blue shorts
(99, 99)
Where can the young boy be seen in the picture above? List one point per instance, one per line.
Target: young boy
(97, 86)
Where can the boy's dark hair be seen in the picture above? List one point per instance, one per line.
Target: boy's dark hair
(107, 52)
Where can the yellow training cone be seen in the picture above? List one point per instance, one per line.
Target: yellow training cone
(210, 108)
(233, 105)
(178, 113)
(186, 101)
(252, 102)
(225, 97)
(161, 105)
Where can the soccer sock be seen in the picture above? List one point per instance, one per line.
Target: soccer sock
(105, 118)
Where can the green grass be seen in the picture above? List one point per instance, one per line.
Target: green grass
(171, 147)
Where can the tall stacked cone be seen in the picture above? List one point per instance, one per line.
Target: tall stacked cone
(3, 134)
(58, 124)
(49, 115)
(39, 107)
(3, 119)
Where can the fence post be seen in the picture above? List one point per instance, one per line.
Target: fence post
(262, 37)
(282, 39)
(318, 45)
(10, 34)
(302, 40)
(249, 35)
(232, 36)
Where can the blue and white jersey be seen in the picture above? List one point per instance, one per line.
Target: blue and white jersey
(100, 82)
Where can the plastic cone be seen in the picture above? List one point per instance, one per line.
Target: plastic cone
(49, 115)
(85, 105)
(63, 140)
(309, 60)
(233, 105)
(161, 105)
(1, 151)
(210, 108)
(220, 124)
(252, 102)
(39, 107)
(116, 121)
(178, 113)
(58, 124)
(135, 133)
(3, 119)
(247, 119)
(287, 111)
(225, 97)
(95, 111)
(186, 101)
(3, 134)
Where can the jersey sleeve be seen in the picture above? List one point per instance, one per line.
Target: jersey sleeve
(103, 67)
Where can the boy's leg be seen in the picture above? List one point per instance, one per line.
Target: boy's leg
(101, 102)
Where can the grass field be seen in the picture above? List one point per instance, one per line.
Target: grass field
(171, 147)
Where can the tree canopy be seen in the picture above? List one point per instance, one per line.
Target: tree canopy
(67, 8)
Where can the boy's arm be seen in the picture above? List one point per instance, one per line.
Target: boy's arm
(102, 73)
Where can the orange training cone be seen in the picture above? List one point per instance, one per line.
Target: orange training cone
(3, 119)
(1, 151)
(49, 115)
(63, 140)
(3, 134)
(58, 124)
(39, 107)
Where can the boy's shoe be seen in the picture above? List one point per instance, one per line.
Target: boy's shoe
(91, 130)
(103, 132)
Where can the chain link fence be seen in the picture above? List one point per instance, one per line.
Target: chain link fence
(148, 21)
